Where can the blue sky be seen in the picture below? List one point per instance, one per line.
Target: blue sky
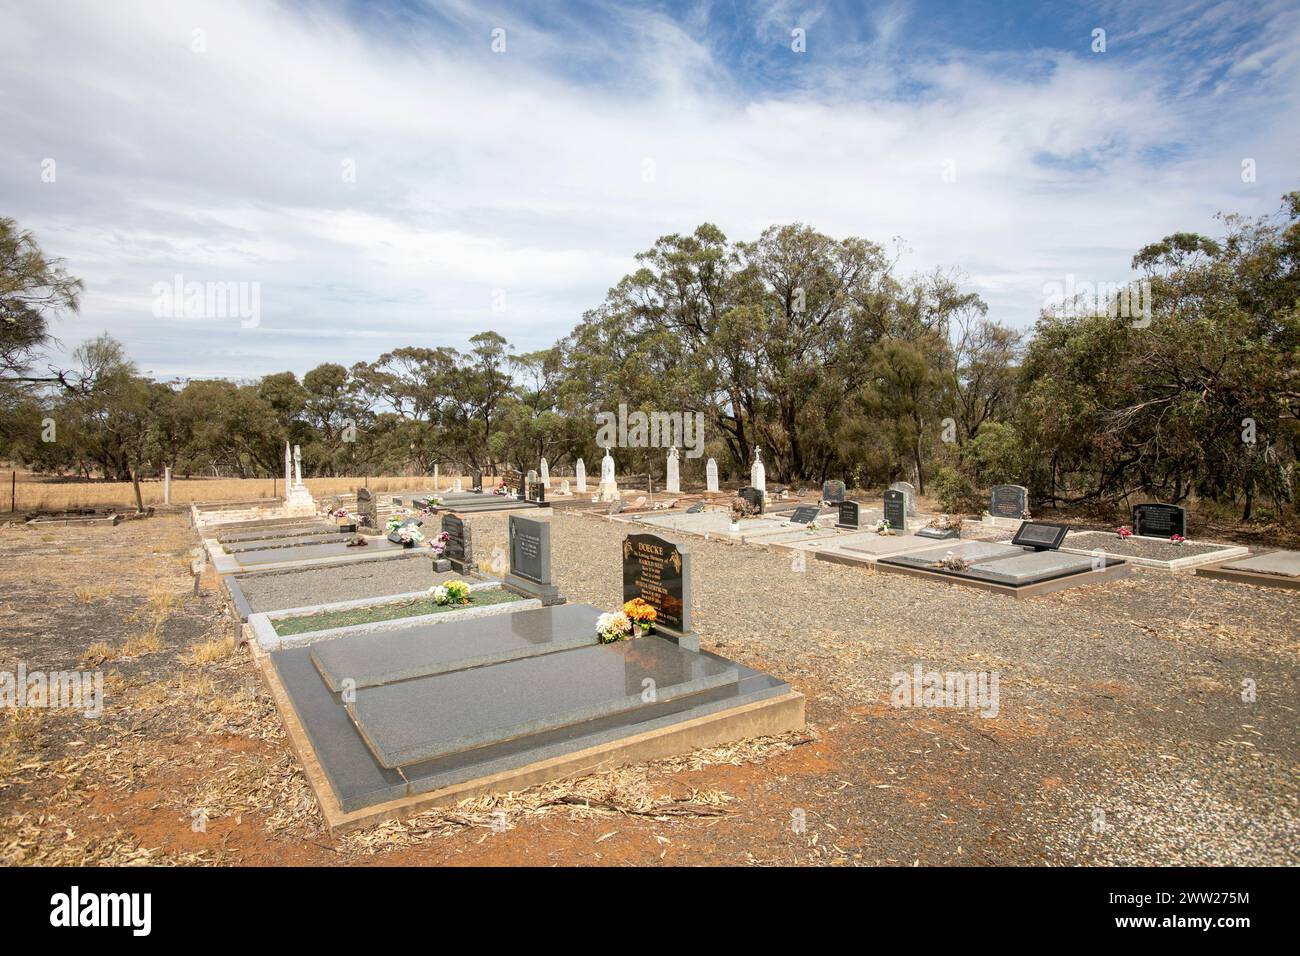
(508, 189)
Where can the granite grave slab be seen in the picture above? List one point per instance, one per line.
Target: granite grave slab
(385, 657)
(429, 717)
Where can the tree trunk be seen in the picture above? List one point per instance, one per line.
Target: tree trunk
(135, 485)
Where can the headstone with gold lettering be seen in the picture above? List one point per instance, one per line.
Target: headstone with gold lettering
(659, 572)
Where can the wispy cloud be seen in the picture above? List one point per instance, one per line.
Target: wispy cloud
(510, 190)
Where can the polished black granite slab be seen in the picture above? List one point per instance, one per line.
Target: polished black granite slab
(358, 781)
(430, 717)
(422, 650)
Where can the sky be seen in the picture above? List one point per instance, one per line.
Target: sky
(365, 176)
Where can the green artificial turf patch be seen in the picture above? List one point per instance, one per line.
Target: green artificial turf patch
(387, 612)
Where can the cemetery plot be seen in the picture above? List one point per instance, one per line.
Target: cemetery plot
(266, 591)
(863, 547)
(285, 541)
(426, 649)
(1151, 552)
(713, 523)
(297, 530)
(376, 613)
(1276, 569)
(411, 717)
(1008, 568)
(333, 552)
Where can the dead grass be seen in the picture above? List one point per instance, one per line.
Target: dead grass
(209, 652)
(20, 733)
(98, 653)
(89, 595)
(42, 494)
(141, 644)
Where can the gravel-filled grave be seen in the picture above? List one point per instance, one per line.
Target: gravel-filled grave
(305, 623)
(1136, 547)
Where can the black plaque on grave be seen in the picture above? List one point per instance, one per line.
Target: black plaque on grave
(658, 572)
(848, 515)
(695, 509)
(1040, 536)
(896, 509)
(1159, 521)
(536, 491)
(754, 497)
(476, 480)
(804, 514)
(1008, 501)
(833, 492)
(460, 548)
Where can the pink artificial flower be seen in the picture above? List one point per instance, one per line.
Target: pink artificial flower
(1124, 532)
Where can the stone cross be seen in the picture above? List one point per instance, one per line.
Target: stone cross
(581, 473)
(711, 475)
(607, 467)
(674, 484)
(758, 474)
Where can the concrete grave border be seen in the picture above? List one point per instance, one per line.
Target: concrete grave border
(262, 630)
(1230, 552)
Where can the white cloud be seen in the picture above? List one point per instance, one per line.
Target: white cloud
(527, 170)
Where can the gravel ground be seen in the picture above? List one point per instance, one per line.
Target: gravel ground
(1120, 705)
(330, 584)
(1121, 734)
(1137, 547)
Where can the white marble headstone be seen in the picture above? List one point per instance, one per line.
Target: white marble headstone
(711, 475)
(674, 484)
(581, 472)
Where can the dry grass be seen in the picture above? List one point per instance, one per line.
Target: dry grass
(88, 595)
(20, 731)
(98, 653)
(209, 652)
(40, 494)
(141, 644)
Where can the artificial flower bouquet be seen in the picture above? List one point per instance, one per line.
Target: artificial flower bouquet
(612, 627)
(1176, 539)
(1124, 532)
(641, 614)
(409, 535)
(439, 544)
(451, 593)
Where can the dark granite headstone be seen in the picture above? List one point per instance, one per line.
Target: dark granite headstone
(659, 572)
(1159, 521)
(1008, 501)
(754, 497)
(476, 480)
(833, 491)
(1040, 536)
(804, 514)
(896, 509)
(530, 560)
(848, 515)
(536, 491)
(460, 545)
(367, 512)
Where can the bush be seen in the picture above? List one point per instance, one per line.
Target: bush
(955, 492)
